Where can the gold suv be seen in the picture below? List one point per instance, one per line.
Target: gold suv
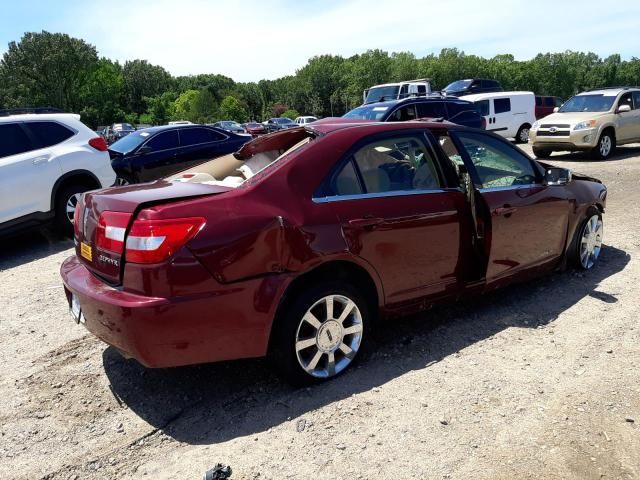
(595, 121)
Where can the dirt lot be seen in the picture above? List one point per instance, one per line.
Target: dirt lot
(536, 381)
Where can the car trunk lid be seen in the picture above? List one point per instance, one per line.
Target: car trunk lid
(125, 202)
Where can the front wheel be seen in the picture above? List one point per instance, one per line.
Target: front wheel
(321, 334)
(587, 242)
(605, 147)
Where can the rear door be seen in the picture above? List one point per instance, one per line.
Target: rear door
(525, 221)
(398, 215)
(27, 173)
(636, 115)
(163, 152)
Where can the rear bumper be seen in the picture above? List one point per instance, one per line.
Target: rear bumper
(230, 323)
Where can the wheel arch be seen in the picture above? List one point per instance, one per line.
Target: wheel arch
(81, 177)
(332, 270)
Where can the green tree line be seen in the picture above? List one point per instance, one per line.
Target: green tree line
(56, 70)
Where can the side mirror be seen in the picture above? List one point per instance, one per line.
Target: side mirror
(557, 176)
(624, 108)
(144, 149)
(555, 109)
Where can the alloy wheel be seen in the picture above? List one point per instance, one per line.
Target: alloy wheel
(72, 201)
(329, 336)
(591, 242)
(121, 182)
(524, 135)
(605, 146)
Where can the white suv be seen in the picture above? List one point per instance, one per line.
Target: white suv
(46, 161)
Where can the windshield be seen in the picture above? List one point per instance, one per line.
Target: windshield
(458, 85)
(130, 142)
(380, 94)
(366, 112)
(588, 103)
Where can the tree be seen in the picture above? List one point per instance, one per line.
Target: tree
(141, 79)
(47, 69)
(232, 109)
(291, 114)
(278, 109)
(102, 93)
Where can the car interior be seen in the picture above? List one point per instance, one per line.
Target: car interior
(229, 171)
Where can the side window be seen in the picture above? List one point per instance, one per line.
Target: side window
(538, 101)
(636, 100)
(346, 182)
(164, 141)
(404, 91)
(194, 136)
(422, 90)
(502, 105)
(396, 164)
(558, 102)
(626, 99)
(450, 150)
(215, 136)
(497, 163)
(13, 140)
(483, 107)
(403, 114)
(431, 110)
(549, 102)
(49, 133)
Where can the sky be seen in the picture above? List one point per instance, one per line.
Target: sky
(249, 40)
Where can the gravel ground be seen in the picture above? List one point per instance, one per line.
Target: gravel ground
(539, 380)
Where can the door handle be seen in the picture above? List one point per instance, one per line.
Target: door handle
(506, 211)
(39, 160)
(367, 223)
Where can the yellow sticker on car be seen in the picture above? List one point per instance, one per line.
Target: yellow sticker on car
(85, 251)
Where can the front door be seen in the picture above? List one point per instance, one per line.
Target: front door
(398, 216)
(525, 221)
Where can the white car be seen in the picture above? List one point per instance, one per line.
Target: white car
(46, 162)
(508, 114)
(305, 120)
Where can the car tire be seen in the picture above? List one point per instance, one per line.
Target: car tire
(542, 152)
(605, 147)
(123, 180)
(307, 336)
(65, 202)
(586, 245)
(523, 134)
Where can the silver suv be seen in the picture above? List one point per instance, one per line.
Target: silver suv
(595, 121)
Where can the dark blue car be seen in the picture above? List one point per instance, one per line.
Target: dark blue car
(157, 152)
(452, 109)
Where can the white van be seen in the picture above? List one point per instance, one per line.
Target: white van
(509, 114)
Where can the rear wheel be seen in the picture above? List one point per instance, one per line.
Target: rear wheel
(587, 241)
(123, 180)
(605, 147)
(523, 134)
(65, 206)
(542, 152)
(321, 334)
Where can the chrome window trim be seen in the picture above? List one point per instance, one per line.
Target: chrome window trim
(393, 193)
(510, 187)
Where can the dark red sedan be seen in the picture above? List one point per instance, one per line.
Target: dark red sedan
(255, 128)
(295, 244)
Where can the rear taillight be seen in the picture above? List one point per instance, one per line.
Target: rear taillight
(153, 241)
(99, 144)
(111, 230)
(148, 241)
(76, 219)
